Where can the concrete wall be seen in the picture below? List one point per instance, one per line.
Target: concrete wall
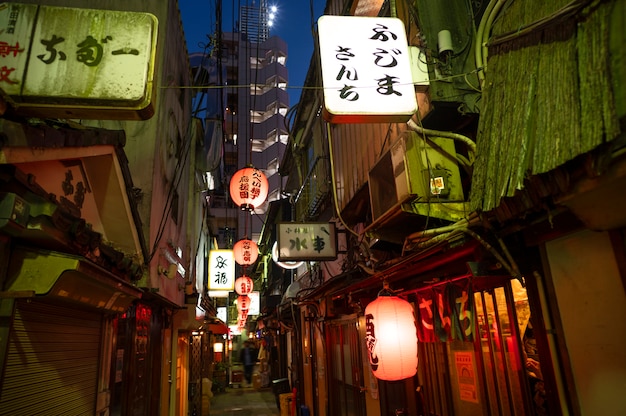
(592, 304)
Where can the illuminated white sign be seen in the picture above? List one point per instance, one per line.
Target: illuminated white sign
(307, 241)
(255, 303)
(71, 61)
(221, 270)
(221, 313)
(366, 70)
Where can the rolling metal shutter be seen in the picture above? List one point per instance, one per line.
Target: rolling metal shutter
(52, 361)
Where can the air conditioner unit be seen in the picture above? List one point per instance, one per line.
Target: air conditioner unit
(416, 175)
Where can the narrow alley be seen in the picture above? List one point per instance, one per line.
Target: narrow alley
(244, 401)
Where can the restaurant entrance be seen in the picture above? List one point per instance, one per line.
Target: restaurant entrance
(490, 366)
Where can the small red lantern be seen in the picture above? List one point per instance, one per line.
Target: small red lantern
(248, 188)
(243, 303)
(243, 285)
(246, 252)
(391, 338)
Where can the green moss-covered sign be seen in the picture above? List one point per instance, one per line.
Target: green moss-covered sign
(68, 62)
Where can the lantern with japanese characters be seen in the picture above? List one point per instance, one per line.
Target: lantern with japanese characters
(391, 338)
(248, 188)
(246, 252)
(243, 285)
(243, 303)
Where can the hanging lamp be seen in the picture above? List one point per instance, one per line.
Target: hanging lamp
(244, 286)
(289, 265)
(243, 303)
(391, 337)
(246, 252)
(249, 188)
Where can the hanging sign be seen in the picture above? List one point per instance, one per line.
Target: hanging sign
(307, 241)
(366, 70)
(426, 312)
(221, 270)
(255, 303)
(77, 63)
(446, 311)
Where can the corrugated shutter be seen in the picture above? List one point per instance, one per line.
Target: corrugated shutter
(52, 361)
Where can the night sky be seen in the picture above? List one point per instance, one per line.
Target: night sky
(293, 25)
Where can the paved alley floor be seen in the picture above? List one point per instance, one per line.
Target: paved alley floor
(243, 402)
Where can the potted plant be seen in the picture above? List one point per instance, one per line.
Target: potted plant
(220, 376)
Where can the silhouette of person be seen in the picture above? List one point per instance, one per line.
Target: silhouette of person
(248, 356)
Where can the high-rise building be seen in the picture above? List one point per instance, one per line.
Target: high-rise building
(254, 21)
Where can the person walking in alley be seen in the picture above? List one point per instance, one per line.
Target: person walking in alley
(248, 356)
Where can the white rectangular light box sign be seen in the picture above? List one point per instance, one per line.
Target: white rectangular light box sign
(221, 270)
(366, 70)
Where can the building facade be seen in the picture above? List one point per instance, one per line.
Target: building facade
(514, 265)
(103, 234)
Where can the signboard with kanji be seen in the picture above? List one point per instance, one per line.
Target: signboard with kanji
(255, 303)
(307, 241)
(366, 70)
(77, 63)
(221, 270)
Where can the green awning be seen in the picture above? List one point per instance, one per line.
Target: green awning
(69, 278)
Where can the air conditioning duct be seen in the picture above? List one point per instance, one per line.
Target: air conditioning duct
(417, 177)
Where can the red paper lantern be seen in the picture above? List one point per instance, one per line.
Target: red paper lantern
(243, 303)
(391, 338)
(243, 285)
(248, 188)
(246, 252)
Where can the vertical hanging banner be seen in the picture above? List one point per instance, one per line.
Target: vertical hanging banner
(426, 313)
(366, 70)
(443, 312)
(77, 63)
(462, 296)
(221, 270)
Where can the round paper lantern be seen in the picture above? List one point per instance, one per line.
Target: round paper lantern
(243, 303)
(284, 264)
(248, 188)
(246, 252)
(391, 338)
(242, 315)
(243, 285)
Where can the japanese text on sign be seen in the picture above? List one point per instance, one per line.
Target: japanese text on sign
(307, 241)
(221, 270)
(103, 56)
(366, 69)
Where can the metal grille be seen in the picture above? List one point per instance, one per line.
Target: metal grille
(195, 377)
(52, 361)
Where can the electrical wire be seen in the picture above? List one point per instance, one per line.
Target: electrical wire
(334, 182)
(438, 133)
(557, 17)
(478, 50)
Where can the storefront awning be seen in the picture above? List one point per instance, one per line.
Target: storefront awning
(422, 263)
(218, 328)
(74, 279)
